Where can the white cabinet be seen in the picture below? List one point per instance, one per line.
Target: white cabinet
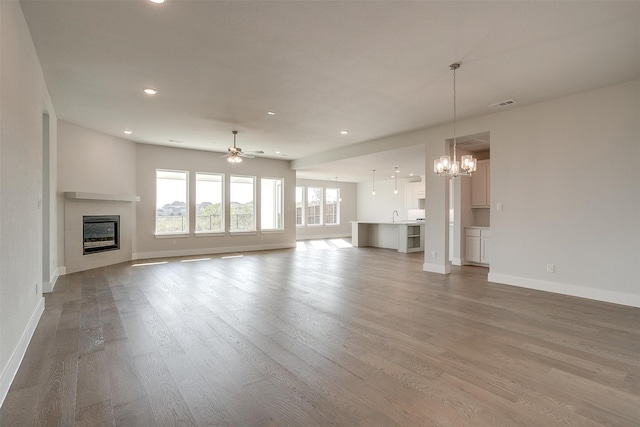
(414, 195)
(485, 247)
(477, 245)
(420, 191)
(410, 238)
(481, 185)
(410, 200)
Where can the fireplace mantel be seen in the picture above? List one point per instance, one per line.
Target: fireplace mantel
(77, 195)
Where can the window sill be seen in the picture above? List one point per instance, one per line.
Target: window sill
(271, 231)
(210, 234)
(171, 235)
(243, 233)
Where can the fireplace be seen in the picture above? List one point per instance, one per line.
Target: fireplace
(101, 233)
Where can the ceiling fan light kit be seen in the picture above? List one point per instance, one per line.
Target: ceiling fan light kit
(445, 166)
(235, 153)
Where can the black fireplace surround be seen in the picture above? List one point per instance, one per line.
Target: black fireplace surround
(101, 233)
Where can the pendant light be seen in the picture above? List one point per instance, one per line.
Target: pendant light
(395, 178)
(445, 166)
(373, 183)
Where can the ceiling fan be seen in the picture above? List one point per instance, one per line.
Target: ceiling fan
(236, 154)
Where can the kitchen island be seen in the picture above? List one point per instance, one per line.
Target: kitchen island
(405, 236)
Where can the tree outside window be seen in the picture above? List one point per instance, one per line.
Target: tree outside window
(242, 205)
(209, 203)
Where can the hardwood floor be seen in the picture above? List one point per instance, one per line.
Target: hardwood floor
(342, 336)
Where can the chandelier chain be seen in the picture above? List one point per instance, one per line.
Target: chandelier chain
(454, 113)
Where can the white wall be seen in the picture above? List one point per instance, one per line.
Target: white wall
(92, 162)
(23, 100)
(149, 158)
(348, 211)
(381, 206)
(566, 173)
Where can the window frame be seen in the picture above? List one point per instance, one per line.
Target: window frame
(278, 205)
(320, 205)
(223, 224)
(303, 204)
(186, 222)
(253, 230)
(337, 207)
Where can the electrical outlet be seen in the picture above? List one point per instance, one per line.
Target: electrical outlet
(434, 254)
(551, 268)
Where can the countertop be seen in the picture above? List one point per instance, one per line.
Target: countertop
(390, 222)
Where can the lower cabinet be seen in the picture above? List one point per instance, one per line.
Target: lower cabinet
(477, 245)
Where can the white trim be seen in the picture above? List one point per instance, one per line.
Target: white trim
(209, 234)
(180, 235)
(100, 196)
(566, 289)
(11, 369)
(48, 286)
(206, 251)
(324, 236)
(457, 261)
(436, 268)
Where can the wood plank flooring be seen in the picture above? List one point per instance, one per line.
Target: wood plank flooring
(313, 337)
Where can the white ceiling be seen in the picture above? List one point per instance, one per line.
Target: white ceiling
(376, 68)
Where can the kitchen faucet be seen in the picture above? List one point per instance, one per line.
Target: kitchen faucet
(393, 218)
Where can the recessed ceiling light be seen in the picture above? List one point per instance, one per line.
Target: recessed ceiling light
(344, 132)
(410, 174)
(157, 1)
(127, 132)
(271, 113)
(278, 152)
(176, 141)
(150, 91)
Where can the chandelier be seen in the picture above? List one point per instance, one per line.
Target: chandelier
(445, 166)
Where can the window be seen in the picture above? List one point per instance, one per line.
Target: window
(271, 204)
(209, 203)
(172, 212)
(299, 206)
(332, 206)
(314, 206)
(241, 199)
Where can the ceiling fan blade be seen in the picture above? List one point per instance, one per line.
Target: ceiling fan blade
(254, 152)
(245, 155)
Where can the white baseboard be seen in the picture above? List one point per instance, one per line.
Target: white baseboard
(565, 289)
(206, 251)
(11, 369)
(48, 286)
(324, 236)
(457, 261)
(436, 268)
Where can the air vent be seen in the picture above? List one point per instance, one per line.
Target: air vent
(503, 103)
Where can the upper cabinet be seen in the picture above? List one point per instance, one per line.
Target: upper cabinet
(414, 195)
(420, 193)
(481, 185)
(410, 199)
